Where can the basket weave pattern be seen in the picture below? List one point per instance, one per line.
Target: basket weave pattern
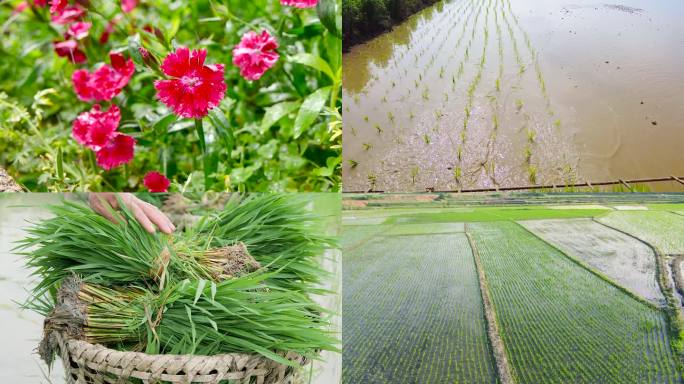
(85, 363)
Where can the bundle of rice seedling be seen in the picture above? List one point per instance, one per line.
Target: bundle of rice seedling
(238, 281)
(277, 231)
(192, 317)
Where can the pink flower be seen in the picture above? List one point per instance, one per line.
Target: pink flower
(69, 49)
(255, 54)
(79, 30)
(95, 129)
(128, 5)
(21, 7)
(58, 6)
(68, 15)
(195, 88)
(300, 3)
(106, 82)
(156, 182)
(118, 151)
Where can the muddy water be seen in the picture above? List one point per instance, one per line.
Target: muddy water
(487, 93)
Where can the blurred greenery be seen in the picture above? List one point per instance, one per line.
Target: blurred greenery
(280, 133)
(364, 19)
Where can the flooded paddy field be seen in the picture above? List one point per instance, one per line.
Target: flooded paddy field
(574, 300)
(622, 258)
(500, 93)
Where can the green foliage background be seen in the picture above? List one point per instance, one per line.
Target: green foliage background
(366, 18)
(265, 136)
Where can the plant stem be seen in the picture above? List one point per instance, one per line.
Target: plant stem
(199, 127)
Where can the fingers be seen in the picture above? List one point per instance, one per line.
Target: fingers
(157, 217)
(141, 217)
(146, 214)
(100, 204)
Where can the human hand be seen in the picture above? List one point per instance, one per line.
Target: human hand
(147, 214)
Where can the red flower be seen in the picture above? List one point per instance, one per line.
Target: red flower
(95, 129)
(39, 3)
(79, 30)
(195, 88)
(106, 82)
(118, 151)
(69, 49)
(300, 3)
(255, 54)
(156, 182)
(109, 29)
(128, 5)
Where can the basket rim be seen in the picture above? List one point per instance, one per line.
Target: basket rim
(68, 339)
(172, 368)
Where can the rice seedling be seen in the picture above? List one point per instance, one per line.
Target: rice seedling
(426, 138)
(458, 173)
(414, 174)
(528, 155)
(532, 173)
(238, 280)
(243, 315)
(257, 232)
(557, 123)
(378, 128)
(518, 104)
(426, 94)
(365, 118)
(390, 116)
(372, 179)
(353, 163)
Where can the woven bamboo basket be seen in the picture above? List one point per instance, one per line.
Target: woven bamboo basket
(85, 363)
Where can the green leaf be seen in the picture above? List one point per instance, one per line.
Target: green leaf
(60, 164)
(200, 289)
(310, 110)
(162, 125)
(219, 119)
(327, 12)
(277, 112)
(315, 62)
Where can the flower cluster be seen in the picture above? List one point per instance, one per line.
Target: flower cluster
(97, 130)
(106, 82)
(190, 88)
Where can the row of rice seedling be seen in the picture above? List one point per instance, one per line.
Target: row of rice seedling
(413, 313)
(562, 324)
(241, 279)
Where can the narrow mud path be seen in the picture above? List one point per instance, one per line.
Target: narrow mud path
(498, 349)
